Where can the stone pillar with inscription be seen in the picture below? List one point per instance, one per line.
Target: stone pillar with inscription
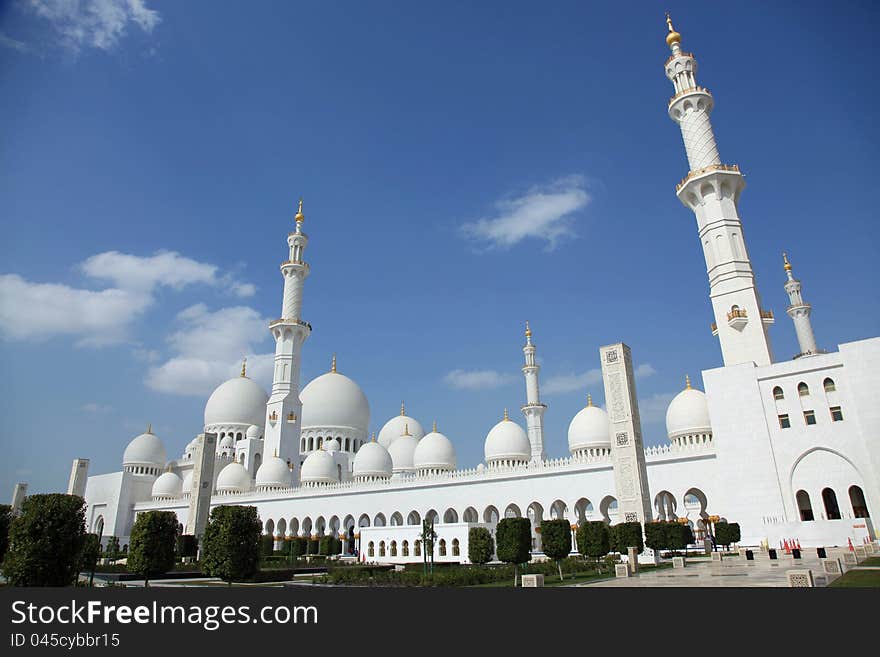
(628, 453)
(203, 485)
(79, 473)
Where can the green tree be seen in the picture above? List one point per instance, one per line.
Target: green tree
(727, 533)
(88, 558)
(45, 541)
(514, 540)
(112, 549)
(186, 545)
(267, 545)
(556, 541)
(594, 540)
(152, 542)
(480, 545)
(5, 523)
(231, 544)
(625, 535)
(657, 535)
(678, 536)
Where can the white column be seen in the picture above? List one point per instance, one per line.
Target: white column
(533, 410)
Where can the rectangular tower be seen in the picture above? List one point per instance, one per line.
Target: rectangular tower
(203, 485)
(627, 451)
(79, 472)
(18, 495)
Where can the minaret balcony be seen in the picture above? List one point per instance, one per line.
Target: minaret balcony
(289, 322)
(689, 90)
(714, 328)
(737, 319)
(767, 317)
(731, 168)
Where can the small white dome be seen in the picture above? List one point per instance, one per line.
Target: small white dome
(435, 452)
(589, 429)
(237, 401)
(395, 427)
(319, 468)
(372, 460)
(254, 432)
(274, 473)
(402, 451)
(688, 413)
(331, 445)
(507, 441)
(234, 478)
(227, 442)
(186, 487)
(145, 450)
(191, 446)
(167, 484)
(334, 400)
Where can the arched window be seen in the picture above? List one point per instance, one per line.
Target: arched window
(777, 393)
(381, 548)
(393, 548)
(442, 549)
(417, 548)
(456, 550)
(371, 549)
(405, 549)
(347, 444)
(803, 389)
(828, 384)
(804, 506)
(857, 499)
(829, 498)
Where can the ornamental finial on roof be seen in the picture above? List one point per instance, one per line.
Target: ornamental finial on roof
(333, 364)
(299, 217)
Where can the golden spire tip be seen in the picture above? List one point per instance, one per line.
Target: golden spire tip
(589, 399)
(435, 427)
(672, 37)
(528, 330)
(405, 430)
(787, 265)
(687, 381)
(244, 366)
(506, 417)
(333, 364)
(373, 439)
(300, 217)
(402, 408)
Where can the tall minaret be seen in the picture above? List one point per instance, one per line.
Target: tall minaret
(533, 409)
(711, 190)
(799, 311)
(284, 409)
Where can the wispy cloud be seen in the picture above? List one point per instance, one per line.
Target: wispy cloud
(36, 311)
(544, 213)
(478, 379)
(645, 370)
(652, 410)
(97, 24)
(208, 348)
(563, 383)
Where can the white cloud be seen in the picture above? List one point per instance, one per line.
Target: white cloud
(563, 383)
(544, 213)
(652, 410)
(477, 379)
(208, 349)
(645, 370)
(95, 23)
(37, 311)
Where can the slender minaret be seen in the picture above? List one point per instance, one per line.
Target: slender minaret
(284, 409)
(712, 190)
(799, 311)
(533, 409)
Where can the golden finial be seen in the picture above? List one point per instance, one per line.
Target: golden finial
(528, 330)
(333, 364)
(687, 382)
(435, 427)
(405, 430)
(402, 409)
(506, 417)
(299, 217)
(373, 439)
(244, 366)
(150, 428)
(673, 36)
(589, 400)
(785, 260)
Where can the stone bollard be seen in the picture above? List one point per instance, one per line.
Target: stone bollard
(849, 559)
(831, 567)
(633, 560)
(861, 553)
(800, 578)
(621, 570)
(716, 557)
(532, 581)
(678, 562)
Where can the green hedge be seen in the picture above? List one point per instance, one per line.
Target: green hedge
(593, 539)
(727, 533)
(481, 545)
(626, 535)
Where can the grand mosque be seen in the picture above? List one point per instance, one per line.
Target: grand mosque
(786, 448)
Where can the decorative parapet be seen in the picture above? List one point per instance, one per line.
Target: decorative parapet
(734, 168)
(276, 322)
(689, 90)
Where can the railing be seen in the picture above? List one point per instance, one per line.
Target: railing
(700, 172)
(275, 322)
(767, 314)
(714, 327)
(680, 54)
(736, 312)
(687, 91)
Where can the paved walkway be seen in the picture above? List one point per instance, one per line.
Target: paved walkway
(732, 572)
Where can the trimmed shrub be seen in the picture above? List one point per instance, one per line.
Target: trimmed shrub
(556, 540)
(678, 536)
(186, 545)
(46, 541)
(151, 548)
(594, 540)
(626, 535)
(514, 542)
(231, 544)
(481, 545)
(267, 545)
(657, 535)
(727, 533)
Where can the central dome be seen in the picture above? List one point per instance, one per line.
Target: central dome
(334, 400)
(237, 401)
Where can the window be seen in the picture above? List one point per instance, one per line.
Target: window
(836, 414)
(829, 498)
(442, 547)
(456, 550)
(857, 499)
(784, 422)
(393, 548)
(381, 548)
(804, 506)
(405, 549)
(417, 548)
(809, 417)
(803, 389)
(371, 548)
(829, 385)
(777, 393)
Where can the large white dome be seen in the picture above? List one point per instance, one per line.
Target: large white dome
(167, 485)
(434, 452)
(395, 427)
(237, 401)
(274, 473)
(589, 429)
(319, 468)
(372, 460)
(146, 451)
(334, 400)
(688, 413)
(402, 451)
(234, 478)
(507, 441)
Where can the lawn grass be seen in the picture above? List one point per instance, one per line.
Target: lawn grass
(857, 579)
(871, 561)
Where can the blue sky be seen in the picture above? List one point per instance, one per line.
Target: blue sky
(465, 167)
